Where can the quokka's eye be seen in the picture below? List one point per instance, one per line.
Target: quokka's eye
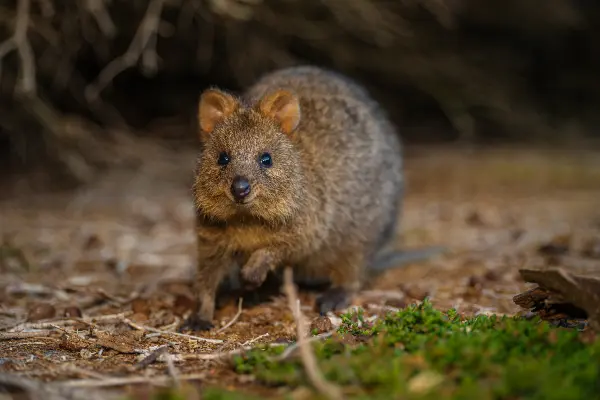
(223, 158)
(266, 160)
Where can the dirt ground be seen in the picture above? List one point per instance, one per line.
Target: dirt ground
(123, 249)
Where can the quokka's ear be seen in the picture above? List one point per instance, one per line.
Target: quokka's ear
(284, 107)
(214, 106)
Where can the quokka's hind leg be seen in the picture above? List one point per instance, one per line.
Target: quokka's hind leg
(346, 277)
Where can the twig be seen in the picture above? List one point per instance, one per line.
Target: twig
(23, 335)
(380, 307)
(98, 9)
(152, 357)
(288, 351)
(153, 380)
(102, 319)
(218, 354)
(138, 48)
(31, 387)
(47, 8)
(83, 372)
(235, 317)
(35, 289)
(211, 356)
(172, 370)
(166, 333)
(118, 300)
(18, 41)
(18, 344)
(308, 358)
(246, 343)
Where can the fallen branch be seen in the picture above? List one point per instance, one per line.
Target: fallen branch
(18, 41)
(308, 358)
(152, 357)
(47, 8)
(98, 10)
(32, 388)
(173, 373)
(138, 48)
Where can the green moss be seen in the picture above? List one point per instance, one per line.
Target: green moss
(422, 353)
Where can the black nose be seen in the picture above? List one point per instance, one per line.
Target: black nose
(240, 187)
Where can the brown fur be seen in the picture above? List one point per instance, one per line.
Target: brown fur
(328, 203)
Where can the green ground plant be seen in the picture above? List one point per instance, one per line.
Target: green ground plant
(424, 353)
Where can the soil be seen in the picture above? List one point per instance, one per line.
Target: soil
(124, 247)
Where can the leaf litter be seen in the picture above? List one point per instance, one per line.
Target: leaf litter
(94, 284)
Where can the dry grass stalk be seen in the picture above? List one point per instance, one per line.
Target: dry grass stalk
(235, 317)
(308, 358)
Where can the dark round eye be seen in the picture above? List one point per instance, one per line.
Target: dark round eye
(266, 160)
(223, 158)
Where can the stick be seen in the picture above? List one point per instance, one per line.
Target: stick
(172, 370)
(308, 358)
(31, 387)
(98, 9)
(218, 354)
(137, 48)
(255, 339)
(235, 317)
(71, 321)
(18, 41)
(152, 357)
(166, 333)
(211, 356)
(10, 345)
(287, 352)
(23, 335)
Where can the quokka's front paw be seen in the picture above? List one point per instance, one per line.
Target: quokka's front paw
(255, 271)
(254, 277)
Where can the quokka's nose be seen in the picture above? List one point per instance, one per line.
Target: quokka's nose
(240, 187)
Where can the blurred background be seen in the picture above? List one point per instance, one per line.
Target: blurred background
(83, 81)
(496, 102)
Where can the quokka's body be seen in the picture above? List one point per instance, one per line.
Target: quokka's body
(303, 170)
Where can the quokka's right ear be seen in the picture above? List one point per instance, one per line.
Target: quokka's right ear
(214, 106)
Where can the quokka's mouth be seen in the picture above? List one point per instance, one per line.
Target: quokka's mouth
(243, 202)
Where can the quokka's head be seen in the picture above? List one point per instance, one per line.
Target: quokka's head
(249, 165)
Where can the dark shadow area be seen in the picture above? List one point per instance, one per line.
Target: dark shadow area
(449, 71)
